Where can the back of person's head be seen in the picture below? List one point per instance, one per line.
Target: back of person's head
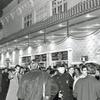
(91, 68)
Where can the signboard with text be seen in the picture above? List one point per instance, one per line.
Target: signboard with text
(41, 57)
(26, 59)
(63, 55)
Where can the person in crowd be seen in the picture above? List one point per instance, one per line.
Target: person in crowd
(27, 68)
(84, 71)
(19, 71)
(87, 88)
(76, 76)
(97, 74)
(53, 72)
(81, 65)
(71, 71)
(80, 72)
(13, 88)
(65, 83)
(1, 84)
(49, 69)
(37, 85)
(70, 80)
(77, 72)
(5, 83)
(34, 64)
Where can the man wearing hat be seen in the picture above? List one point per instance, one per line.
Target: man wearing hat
(5, 83)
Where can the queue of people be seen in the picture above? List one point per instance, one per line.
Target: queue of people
(78, 82)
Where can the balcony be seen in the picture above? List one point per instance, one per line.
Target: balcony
(75, 12)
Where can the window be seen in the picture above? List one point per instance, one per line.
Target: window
(28, 20)
(65, 7)
(60, 9)
(53, 3)
(59, 6)
(54, 11)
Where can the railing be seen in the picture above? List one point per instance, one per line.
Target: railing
(79, 9)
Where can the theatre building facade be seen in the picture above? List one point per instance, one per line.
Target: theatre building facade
(50, 31)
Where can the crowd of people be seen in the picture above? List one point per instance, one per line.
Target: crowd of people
(60, 82)
(9, 78)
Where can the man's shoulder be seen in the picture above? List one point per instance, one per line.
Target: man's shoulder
(29, 75)
(33, 74)
(80, 81)
(90, 79)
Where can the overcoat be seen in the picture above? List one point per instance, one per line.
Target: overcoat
(87, 88)
(36, 84)
(5, 84)
(65, 83)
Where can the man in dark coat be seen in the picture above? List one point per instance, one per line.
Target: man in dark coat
(5, 83)
(65, 83)
(0, 84)
(37, 85)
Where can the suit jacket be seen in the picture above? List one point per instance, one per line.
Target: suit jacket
(31, 86)
(87, 88)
